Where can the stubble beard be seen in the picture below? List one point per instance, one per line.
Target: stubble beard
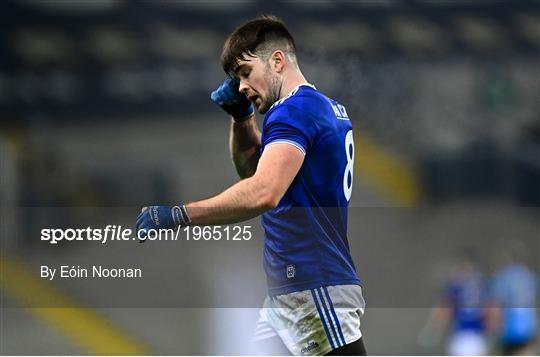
(274, 90)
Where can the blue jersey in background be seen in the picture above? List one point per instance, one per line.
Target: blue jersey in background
(467, 298)
(515, 290)
(305, 244)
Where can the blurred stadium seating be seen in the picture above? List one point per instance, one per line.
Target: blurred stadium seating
(429, 79)
(106, 104)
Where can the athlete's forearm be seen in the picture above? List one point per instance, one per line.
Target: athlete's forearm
(245, 144)
(242, 201)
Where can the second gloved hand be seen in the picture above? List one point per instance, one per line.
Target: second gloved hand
(161, 217)
(231, 100)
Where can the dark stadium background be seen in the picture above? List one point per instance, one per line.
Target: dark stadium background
(104, 108)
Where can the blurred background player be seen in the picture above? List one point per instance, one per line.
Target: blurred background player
(463, 312)
(514, 295)
(297, 173)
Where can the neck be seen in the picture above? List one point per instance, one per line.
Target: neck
(291, 81)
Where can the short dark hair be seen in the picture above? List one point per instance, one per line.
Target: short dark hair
(258, 37)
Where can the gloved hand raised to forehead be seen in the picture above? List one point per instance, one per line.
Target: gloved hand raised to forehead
(231, 100)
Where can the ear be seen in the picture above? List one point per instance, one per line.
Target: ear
(277, 61)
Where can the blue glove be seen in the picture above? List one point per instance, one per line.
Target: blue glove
(231, 100)
(161, 217)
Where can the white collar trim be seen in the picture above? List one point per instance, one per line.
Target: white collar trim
(291, 93)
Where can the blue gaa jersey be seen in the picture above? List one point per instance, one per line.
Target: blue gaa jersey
(515, 289)
(305, 243)
(467, 297)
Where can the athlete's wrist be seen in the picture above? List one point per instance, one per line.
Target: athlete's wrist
(180, 215)
(242, 119)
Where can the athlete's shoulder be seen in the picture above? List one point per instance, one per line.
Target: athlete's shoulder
(304, 101)
(300, 94)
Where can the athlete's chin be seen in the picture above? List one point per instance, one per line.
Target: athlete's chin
(263, 107)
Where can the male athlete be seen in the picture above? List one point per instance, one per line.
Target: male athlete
(514, 296)
(463, 312)
(297, 174)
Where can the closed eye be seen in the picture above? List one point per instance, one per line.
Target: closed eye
(245, 74)
(243, 71)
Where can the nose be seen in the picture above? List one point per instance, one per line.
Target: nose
(243, 87)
